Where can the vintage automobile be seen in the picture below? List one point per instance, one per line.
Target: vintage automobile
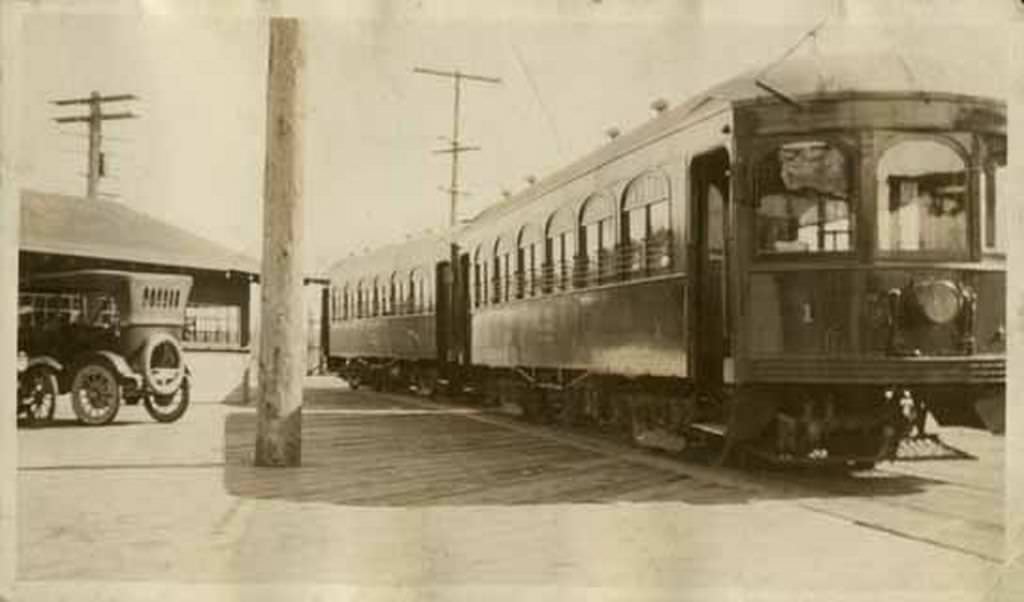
(121, 343)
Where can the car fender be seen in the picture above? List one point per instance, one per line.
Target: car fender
(44, 360)
(118, 363)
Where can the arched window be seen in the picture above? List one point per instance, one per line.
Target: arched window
(361, 299)
(392, 305)
(922, 199)
(528, 257)
(500, 278)
(413, 292)
(428, 290)
(333, 315)
(560, 251)
(375, 308)
(345, 307)
(646, 242)
(479, 276)
(597, 239)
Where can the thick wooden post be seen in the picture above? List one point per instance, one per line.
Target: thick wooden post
(283, 314)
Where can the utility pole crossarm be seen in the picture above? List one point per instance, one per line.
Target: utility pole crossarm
(87, 119)
(95, 119)
(457, 78)
(456, 149)
(84, 101)
(458, 74)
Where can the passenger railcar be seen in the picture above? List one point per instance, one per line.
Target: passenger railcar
(381, 314)
(801, 260)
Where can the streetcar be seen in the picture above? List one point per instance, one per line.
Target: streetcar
(801, 263)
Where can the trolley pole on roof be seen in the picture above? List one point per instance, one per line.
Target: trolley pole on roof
(455, 148)
(95, 119)
(282, 345)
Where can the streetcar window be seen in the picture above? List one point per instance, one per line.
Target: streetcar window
(559, 243)
(803, 200)
(496, 280)
(994, 185)
(922, 198)
(597, 235)
(477, 277)
(645, 224)
(392, 294)
(506, 265)
(526, 260)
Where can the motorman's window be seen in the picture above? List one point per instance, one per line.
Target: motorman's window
(922, 198)
(802, 194)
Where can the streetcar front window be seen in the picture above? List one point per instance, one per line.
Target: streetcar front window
(993, 194)
(922, 199)
(803, 200)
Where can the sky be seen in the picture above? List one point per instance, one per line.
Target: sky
(570, 69)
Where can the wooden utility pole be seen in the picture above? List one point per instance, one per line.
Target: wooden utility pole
(282, 332)
(455, 149)
(95, 119)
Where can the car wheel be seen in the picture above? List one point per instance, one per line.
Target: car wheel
(95, 394)
(39, 395)
(168, 408)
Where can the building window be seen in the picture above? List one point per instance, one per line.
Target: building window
(211, 324)
(803, 199)
(922, 199)
(646, 236)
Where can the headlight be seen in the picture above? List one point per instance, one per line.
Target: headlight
(22, 361)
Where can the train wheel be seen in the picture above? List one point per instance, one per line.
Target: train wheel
(569, 409)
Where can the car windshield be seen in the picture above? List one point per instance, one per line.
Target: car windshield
(922, 198)
(803, 200)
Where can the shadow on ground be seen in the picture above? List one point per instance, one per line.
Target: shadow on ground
(379, 450)
(64, 423)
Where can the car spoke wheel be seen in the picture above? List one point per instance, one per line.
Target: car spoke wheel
(168, 408)
(95, 394)
(39, 396)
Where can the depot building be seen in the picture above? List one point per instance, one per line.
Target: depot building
(61, 233)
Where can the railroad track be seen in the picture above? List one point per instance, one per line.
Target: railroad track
(945, 497)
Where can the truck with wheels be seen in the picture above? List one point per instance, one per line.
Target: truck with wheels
(120, 345)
